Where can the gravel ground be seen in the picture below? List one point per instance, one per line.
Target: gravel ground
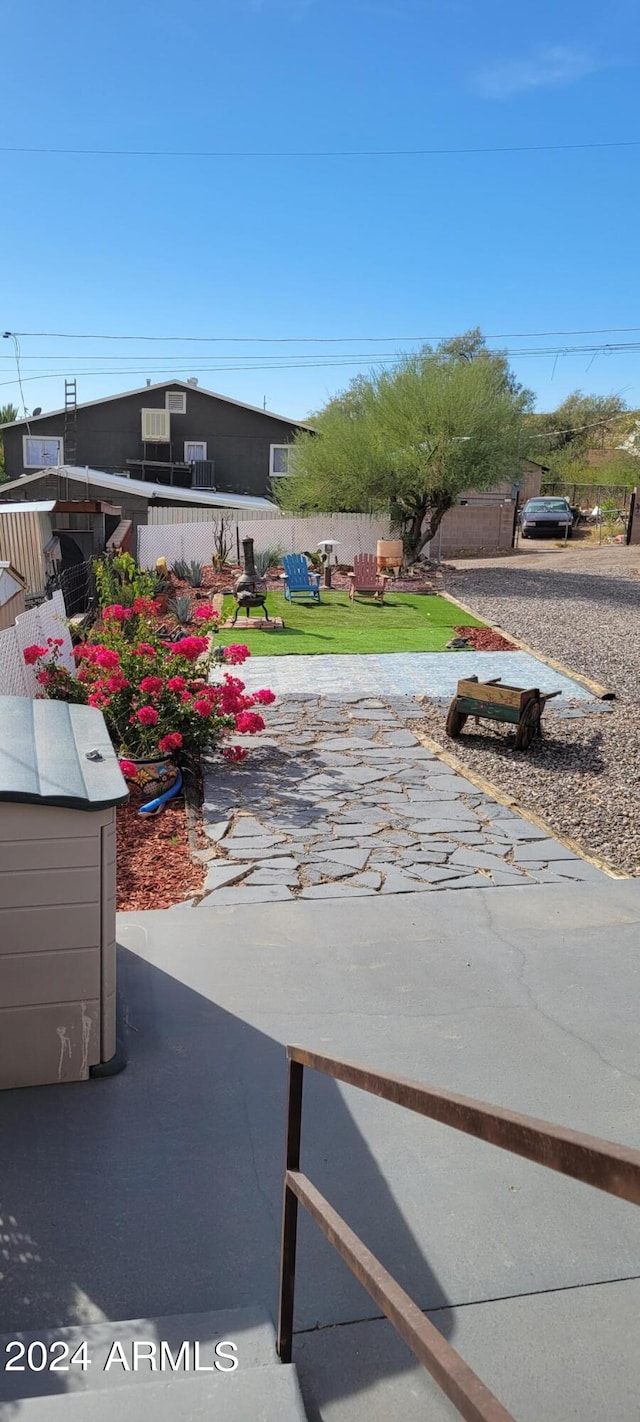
(587, 617)
(583, 777)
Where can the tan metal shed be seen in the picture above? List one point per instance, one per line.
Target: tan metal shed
(59, 785)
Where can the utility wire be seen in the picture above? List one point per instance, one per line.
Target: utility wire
(314, 340)
(320, 152)
(315, 361)
(16, 348)
(298, 360)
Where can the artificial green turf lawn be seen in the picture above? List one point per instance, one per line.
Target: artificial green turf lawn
(404, 622)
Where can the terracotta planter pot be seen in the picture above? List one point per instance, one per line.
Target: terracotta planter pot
(389, 554)
(152, 777)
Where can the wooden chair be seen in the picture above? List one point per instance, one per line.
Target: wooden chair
(365, 577)
(298, 580)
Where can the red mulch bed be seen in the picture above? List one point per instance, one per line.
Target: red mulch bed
(155, 869)
(484, 639)
(214, 581)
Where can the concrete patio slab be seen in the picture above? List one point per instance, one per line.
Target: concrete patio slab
(433, 674)
(168, 1178)
(565, 1355)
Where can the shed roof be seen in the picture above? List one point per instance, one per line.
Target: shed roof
(24, 505)
(52, 753)
(121, 483)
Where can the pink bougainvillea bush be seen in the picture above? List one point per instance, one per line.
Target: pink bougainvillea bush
(155, 695)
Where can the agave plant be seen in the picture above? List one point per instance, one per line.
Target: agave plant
(181, 607)
(267, 558)
(193, 574)
(180, 569)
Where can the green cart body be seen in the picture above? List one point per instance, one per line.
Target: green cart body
(495, 701)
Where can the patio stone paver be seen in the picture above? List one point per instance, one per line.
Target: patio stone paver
(221, 873)
(321, 811)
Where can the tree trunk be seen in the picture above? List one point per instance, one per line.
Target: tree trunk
(422, 525)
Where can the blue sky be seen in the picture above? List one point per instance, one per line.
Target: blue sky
(314, 246)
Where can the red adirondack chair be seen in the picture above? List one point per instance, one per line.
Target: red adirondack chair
(365, 577)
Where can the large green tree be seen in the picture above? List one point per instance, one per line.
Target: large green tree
(8, 413)
(412, 439)
(580, 423)
(564, 439)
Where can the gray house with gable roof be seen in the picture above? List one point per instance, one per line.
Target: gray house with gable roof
(169, 433)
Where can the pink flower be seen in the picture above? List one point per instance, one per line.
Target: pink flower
(204, 612)
(203, 708)
(264, 697)
(248, 723)
(190, 647)
(84, 674)
(233, 683)
(116, 613)
(55, 641)
(235, 753)
(117, 682)
(235, 654)
(151, 685)
(98, 698)
(170, 742)
(147, 715)
(176, 683)
(44, 677)
(32, 654)
(105, 657)
(129, 770)
(185, 697)
(144, 649)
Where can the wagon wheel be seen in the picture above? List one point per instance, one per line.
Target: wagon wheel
(455, 720)
(528, 725)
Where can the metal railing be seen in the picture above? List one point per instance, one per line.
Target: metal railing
(606, 1166)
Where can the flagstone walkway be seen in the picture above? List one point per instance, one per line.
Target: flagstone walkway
(339, 799)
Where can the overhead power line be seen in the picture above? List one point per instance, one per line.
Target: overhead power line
(578, 429)
(318, 152)
(168, 371)
(312, 340)
(273, 361)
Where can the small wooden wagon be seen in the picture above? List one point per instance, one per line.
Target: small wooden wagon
(495, 701)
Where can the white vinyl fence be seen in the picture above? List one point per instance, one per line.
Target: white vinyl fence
(47, 620)
(354, 533)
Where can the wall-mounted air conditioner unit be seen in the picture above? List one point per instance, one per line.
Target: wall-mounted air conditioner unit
(156, 426)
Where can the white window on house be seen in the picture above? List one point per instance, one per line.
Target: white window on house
(195, 450)
(156, 426)
(280, 460)
(176, 402)
(40, 453)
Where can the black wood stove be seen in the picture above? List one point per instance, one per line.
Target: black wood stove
(250, 590)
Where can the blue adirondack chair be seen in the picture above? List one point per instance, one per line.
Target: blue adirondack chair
(298, 580)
